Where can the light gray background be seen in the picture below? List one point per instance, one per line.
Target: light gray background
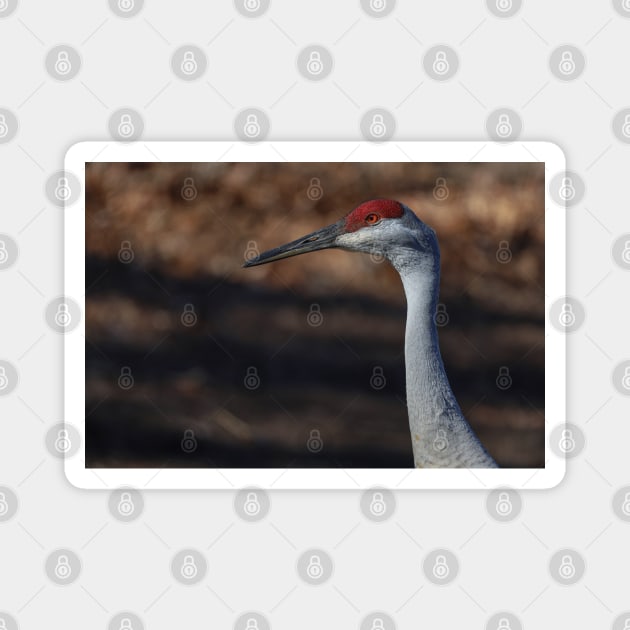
(126, 63)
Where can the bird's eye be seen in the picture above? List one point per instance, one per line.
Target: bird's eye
(372, 218)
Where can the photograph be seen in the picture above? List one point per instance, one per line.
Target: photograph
(315, 315)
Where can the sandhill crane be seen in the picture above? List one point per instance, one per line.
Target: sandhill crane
(440, 435)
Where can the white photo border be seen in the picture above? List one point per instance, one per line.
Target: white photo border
(315, 478)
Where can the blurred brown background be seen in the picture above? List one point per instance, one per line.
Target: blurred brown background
(193, 361)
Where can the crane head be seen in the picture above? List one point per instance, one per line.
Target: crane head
(381, 226)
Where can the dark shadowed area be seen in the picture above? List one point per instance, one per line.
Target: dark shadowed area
(193, 361)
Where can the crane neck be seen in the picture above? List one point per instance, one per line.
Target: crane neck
(440, 435)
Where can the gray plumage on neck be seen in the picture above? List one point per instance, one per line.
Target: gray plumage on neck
(440, 435)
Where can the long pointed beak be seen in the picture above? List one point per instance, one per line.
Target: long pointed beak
(325, 238)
